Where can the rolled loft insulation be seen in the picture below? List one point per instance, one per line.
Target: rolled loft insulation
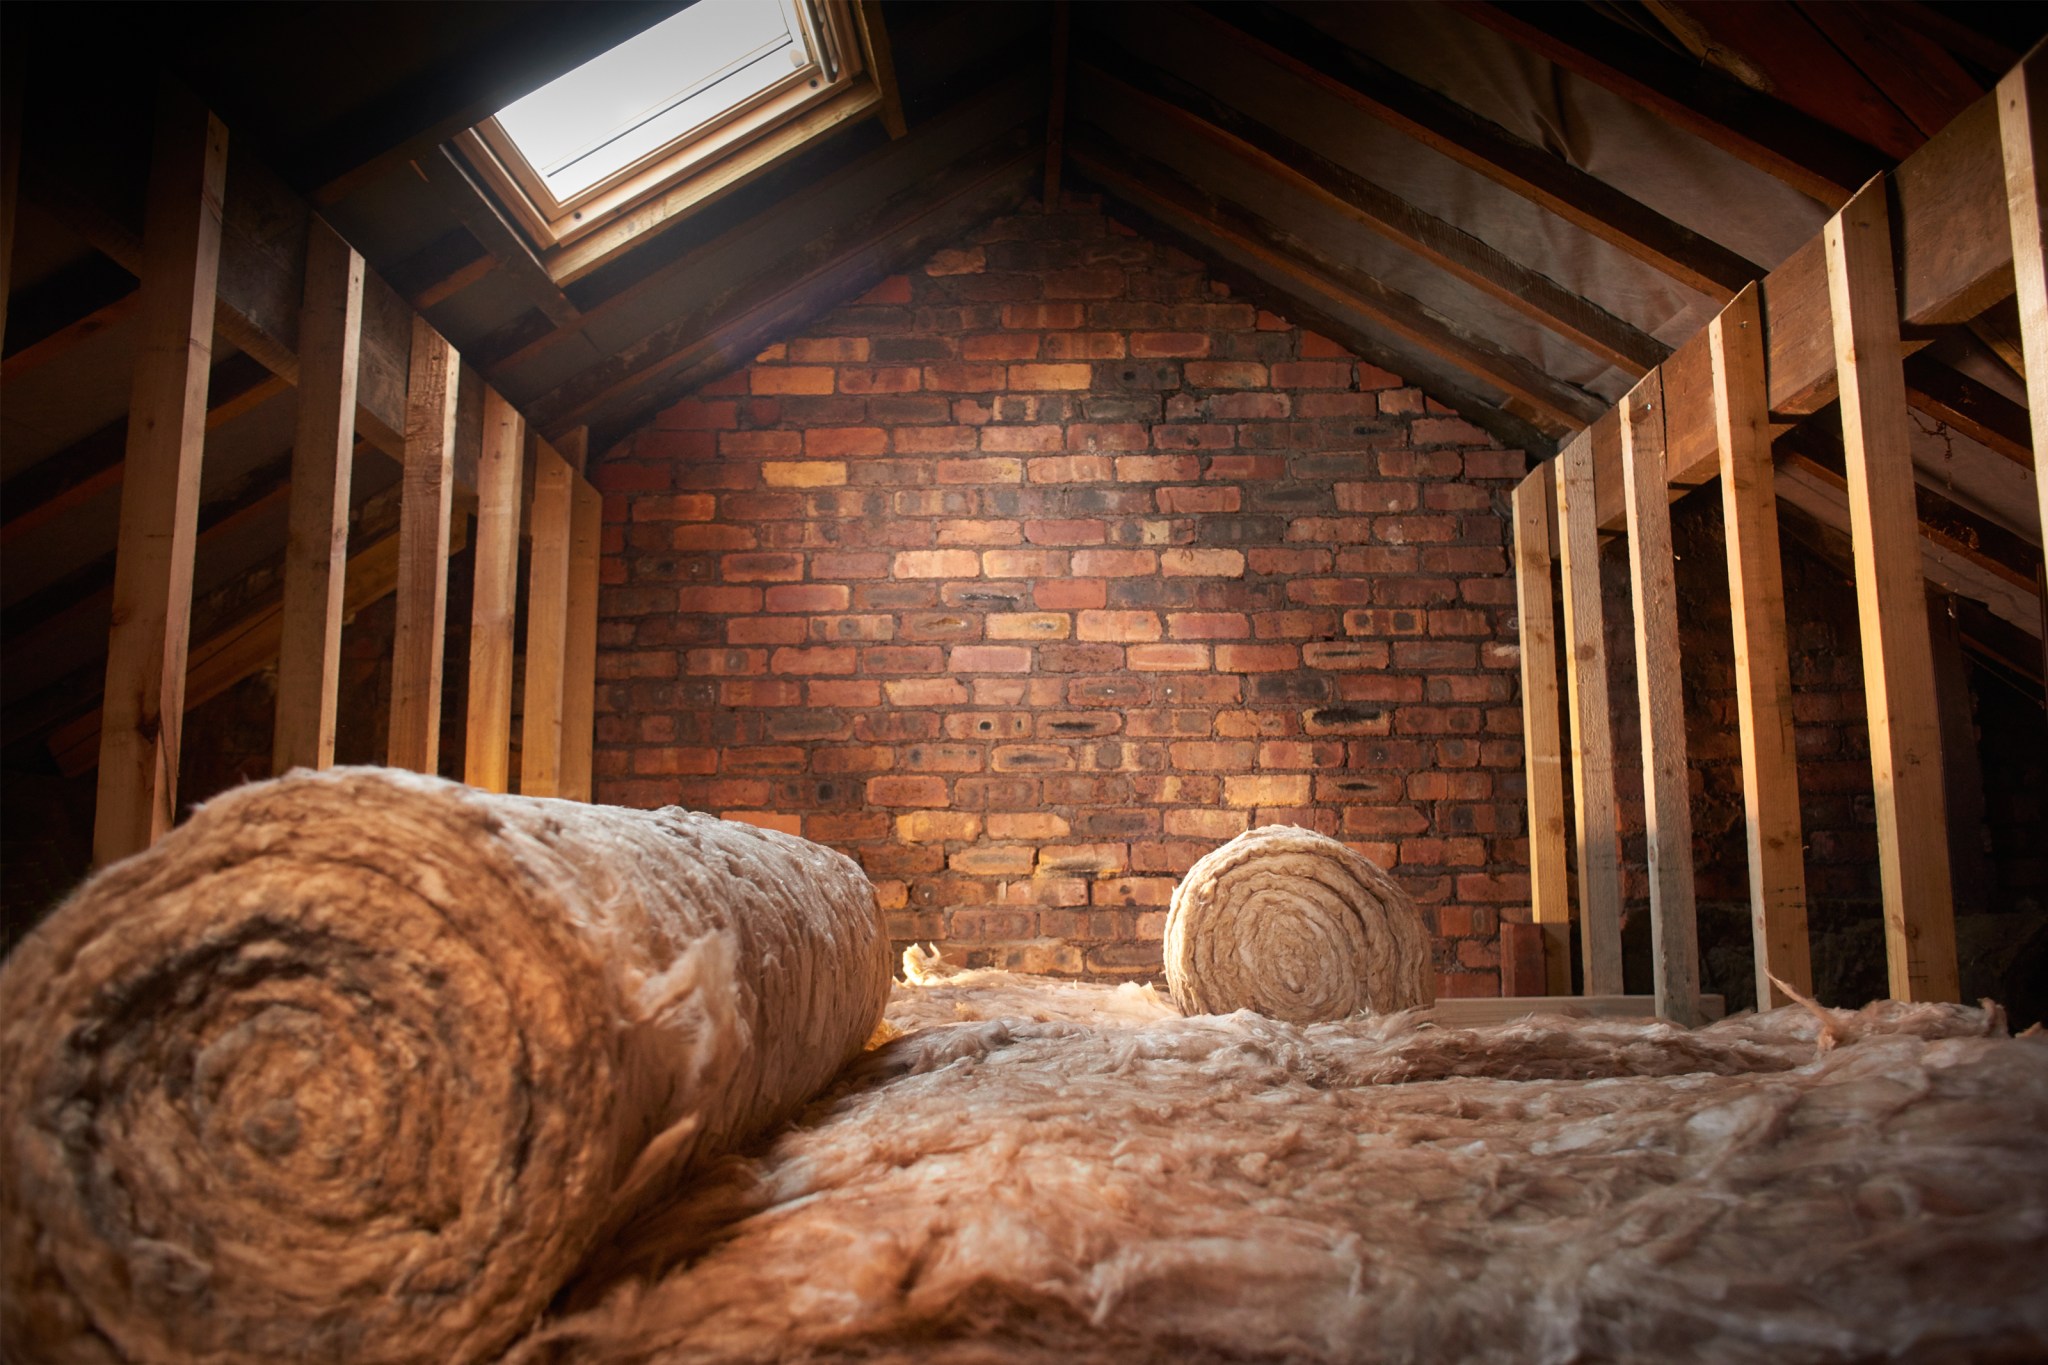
(1294, 925)
(357, 1065)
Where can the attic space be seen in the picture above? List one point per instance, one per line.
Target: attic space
(842, 679)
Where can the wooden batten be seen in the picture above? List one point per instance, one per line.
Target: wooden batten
(579, 664)
(1763, 678)
(1542, 744)
(2023, 139)
(549, 517)
(1898, 663)
(1597, 841)
(316, 546)
(144, 705)
(1667, 798)
(426, 500)
(487, 751)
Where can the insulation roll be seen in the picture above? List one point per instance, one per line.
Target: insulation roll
(1296, 926)
(359, 1065)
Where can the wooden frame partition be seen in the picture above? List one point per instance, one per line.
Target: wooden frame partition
(360, 365)
(1950, 232)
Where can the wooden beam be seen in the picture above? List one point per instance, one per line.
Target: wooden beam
(1667, 796)
(1159, 190)
(1542, 746)
(1431, 239)
(316, 544)
(64, 339)
(138, 782)
(487, 752)
(1486, 148)
(1979, 412)
(1793, 147)
(2022, 99)
(549, 516)
(426, 500)
(579, 672)
(473, 207)
(1912, 71)
(1898, 665)
(1585, 648)
(867, 14)
(1763, 677)
(1056, 111)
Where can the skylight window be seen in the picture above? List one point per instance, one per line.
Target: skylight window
(635, 124)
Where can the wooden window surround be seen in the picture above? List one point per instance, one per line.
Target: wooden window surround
(834, 78)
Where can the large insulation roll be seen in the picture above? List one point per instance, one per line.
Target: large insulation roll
(357, 1066)
(1295, 925)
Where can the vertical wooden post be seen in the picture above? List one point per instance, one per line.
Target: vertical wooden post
(2023, 132)
(1763, 671)
(316, 544)
(425, 502)
(487, 756)
(1542, 746)
(547, 623)
(1898, 660)
(1667, 800)
(579, 668)
(144, 710)
(1598, 843)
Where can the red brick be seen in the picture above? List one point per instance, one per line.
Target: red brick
(1000, 346)
(934, 440)
(760, 443)
(1076, 532)
(764, 630)
(812, 597)
(990, 659)
(681, 507)
(719, 601)
(1191, 501)
(1257, 658)
(970, 261)
(1249, 407)
(1446, 431)
(989, 471)
(1047, 315)
(813, 349)
(791, 379)
(1021, 439)
(1024, 563)
(894, 289)
(1169, 344)
(724, 662)
(1108, 436)
(958, 532)
(1166, 658)
(1066, 594)
(696, 415)
(1202, 563)
(1054, 376)
(1118, 626)
(1207, 625)
(1115, 563)
(1225, 374)
(937, 564)
(1312, 374)
(699, 536)
(953, 378)
(857, 694)
(907, 790)
(1316, 346)
(1084, 346)
(831, 441)
(1193, 436)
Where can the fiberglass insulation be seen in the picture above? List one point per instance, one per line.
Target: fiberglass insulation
(1047, 1171)
(357, 1066)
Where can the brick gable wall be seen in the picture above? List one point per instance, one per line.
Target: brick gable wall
(1033, 575)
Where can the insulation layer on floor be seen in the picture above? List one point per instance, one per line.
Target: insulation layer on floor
(1043, 1170)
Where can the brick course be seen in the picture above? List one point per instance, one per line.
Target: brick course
(1029, 604)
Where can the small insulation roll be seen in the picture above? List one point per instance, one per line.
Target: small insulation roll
(1294, 925)
(358, 1065)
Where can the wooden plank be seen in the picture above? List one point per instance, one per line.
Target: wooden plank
(1898, 664)
(579, 672)
(426, 497)
(145, 688)
(1763, 677)
(1667, 798)
(1597, 843)
(1443, 245)
(867, 14)
(1914, 72)
(1977, 411)
(487, 751)
(1524, 960)
(1484, 147)
(1056, 109)
(1789, 146)
(1159, 190)
(316, 538)
(2022, 99)
(549, 515)
(60, 342)
(1542, 744)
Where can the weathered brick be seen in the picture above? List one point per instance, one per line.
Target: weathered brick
(1117, 626)
(791, 379)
